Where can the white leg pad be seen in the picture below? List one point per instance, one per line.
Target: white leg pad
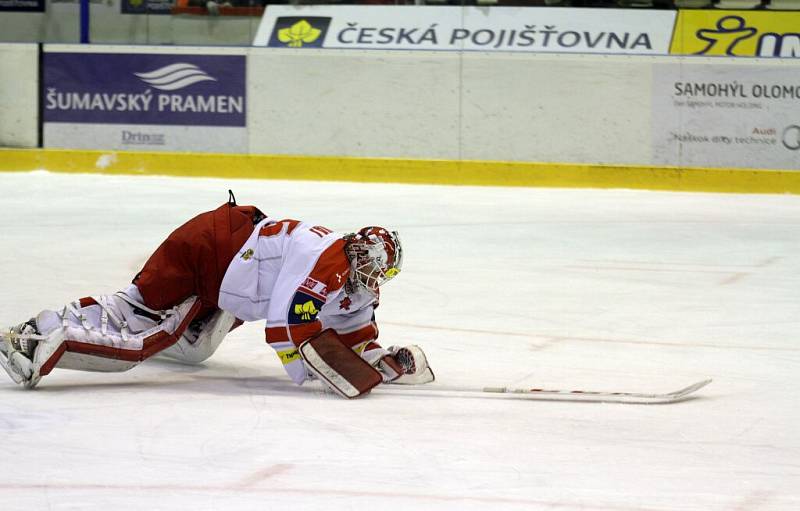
(44, 351)
(109, 335)
(194, 350)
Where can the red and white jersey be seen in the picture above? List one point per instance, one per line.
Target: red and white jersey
(293, 275)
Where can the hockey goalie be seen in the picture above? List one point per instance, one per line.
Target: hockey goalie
(316, 289)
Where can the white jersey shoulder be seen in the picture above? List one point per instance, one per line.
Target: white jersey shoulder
(277, 254)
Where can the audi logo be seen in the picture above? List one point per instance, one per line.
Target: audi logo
(791, 137)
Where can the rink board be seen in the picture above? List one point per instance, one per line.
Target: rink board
(396, 170)
(669, 123)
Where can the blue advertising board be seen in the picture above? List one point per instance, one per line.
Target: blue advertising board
(179, 98)
(22, 5)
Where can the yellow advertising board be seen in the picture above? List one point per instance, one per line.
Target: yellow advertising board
(737, 33)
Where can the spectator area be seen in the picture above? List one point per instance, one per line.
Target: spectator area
(256, 7)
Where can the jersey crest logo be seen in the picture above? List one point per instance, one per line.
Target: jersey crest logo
(248, 254)
(345, 303)
(304, 308)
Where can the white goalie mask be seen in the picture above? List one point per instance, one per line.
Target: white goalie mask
(375, 257)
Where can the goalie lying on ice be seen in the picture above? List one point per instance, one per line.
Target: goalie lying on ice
(316, 289)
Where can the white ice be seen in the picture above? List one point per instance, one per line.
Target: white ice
(593, 289)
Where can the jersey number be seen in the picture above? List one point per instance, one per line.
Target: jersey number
(277, 228)
(320, 231)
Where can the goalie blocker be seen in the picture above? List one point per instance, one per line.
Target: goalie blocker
(349, 375)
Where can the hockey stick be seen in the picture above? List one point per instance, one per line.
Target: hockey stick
(563, 395)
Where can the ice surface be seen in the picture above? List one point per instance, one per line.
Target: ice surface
(602, 290)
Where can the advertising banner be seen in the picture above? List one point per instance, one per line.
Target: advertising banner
(22, 5)
(520, 29)
(737, 33)
(170, 102)
(734, 116)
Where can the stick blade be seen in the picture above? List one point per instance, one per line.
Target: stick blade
(670, 397)
(691, 389)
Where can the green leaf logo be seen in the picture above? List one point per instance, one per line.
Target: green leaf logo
(299, 33)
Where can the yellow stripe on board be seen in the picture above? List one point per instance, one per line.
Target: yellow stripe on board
(396, 170)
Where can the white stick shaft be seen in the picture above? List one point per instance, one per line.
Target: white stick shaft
(564, 395)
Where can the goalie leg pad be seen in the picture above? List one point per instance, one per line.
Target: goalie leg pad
(91, 335)
(338, 366)
(195, 346)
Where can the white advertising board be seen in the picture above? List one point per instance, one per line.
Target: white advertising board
(520, 29)
(739, 116)
(18, 95)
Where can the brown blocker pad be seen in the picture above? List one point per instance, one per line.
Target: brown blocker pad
(338, 366)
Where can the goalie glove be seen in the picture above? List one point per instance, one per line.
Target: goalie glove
(416, 370)
(401, 364)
